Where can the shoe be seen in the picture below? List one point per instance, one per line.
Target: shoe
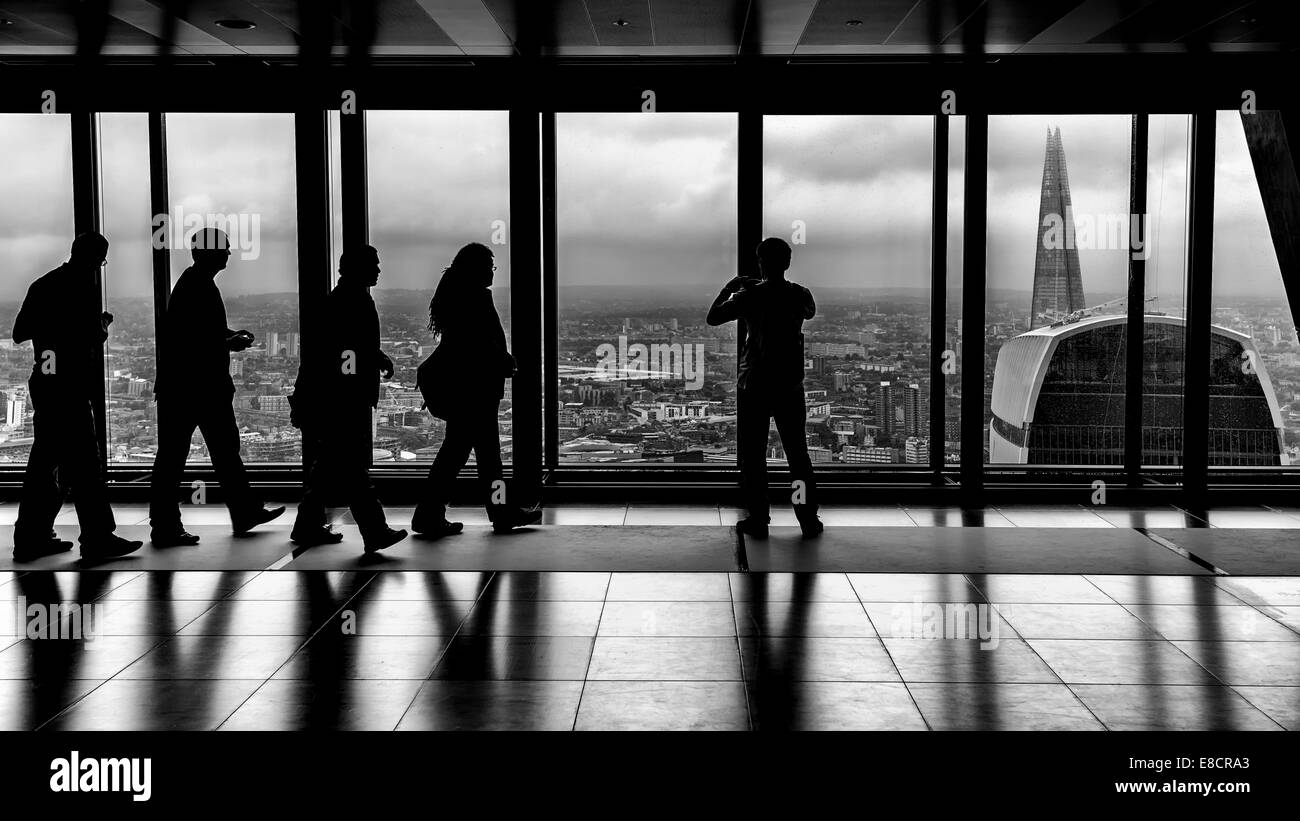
(433, 524)
(386, 539)
(260, 516)
(509, 519)
(173, 538)
(752, 527)
(811, 526)
(312, 537)
(108, 547)
(438, 529)
(31, 551)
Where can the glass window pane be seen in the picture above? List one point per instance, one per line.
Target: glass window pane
(646, 213)
(853, 196)
(438, 180)
(238, 170)
(1057, 279)
(36, 215)
(129, 354)
(1254, 372)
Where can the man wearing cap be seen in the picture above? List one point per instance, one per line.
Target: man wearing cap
(194, 390)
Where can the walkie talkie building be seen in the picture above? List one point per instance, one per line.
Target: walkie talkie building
(1058, 396)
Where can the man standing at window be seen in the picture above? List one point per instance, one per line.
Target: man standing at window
(334, 401)
(63, 318)
(769, 383)
(194, 390)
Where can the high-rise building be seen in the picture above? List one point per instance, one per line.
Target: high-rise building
(916, 450)
(1059, 396)
(885, 408)
(912, 410)
(15, 410)
(1058, 283)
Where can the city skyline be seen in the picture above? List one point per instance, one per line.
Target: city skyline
(878, 203)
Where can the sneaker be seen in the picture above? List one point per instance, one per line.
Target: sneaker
(260, 516)
(382, 540)
(511, 518)
(108, 547)
(428, 519)
(751, 526)
(173, 538)
(811, 526)
(31, 551)
(314, 536)
(438, 529)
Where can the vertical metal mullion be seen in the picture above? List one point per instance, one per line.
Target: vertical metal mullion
(1135, 327)
(526, 296)
(355, 194)
(86, 217)
(973, 277)
(749, 189)
(1196, 337)
(938, 292)
(315, 222)
(749, 204)
(159, 205)
(550, 294)
(160, 254)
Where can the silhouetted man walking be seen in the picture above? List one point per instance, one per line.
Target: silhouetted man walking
(769, 381)
(62, 317)
(194, 390)
(333, 402)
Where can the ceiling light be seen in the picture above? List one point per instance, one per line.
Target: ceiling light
(236, 24)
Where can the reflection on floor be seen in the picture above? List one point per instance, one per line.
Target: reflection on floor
(384, 650)
(644, 617)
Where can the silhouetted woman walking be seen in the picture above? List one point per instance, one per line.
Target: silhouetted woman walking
(466, 374)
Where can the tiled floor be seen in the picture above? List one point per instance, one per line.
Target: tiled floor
(384, 650)
(484, 633)
(1079, 515)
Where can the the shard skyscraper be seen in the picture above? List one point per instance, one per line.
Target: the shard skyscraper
(1058, 285)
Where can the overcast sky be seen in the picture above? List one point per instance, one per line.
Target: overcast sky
(643, 199)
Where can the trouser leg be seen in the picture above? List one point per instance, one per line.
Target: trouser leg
(222, 436)
(41, 496)
(487, 460)
(752, 420)
(791, 415)
(311, 509)
(457, 443)
(175, 430)
(83, 475)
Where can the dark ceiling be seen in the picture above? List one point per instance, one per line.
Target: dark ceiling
(410, 28)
